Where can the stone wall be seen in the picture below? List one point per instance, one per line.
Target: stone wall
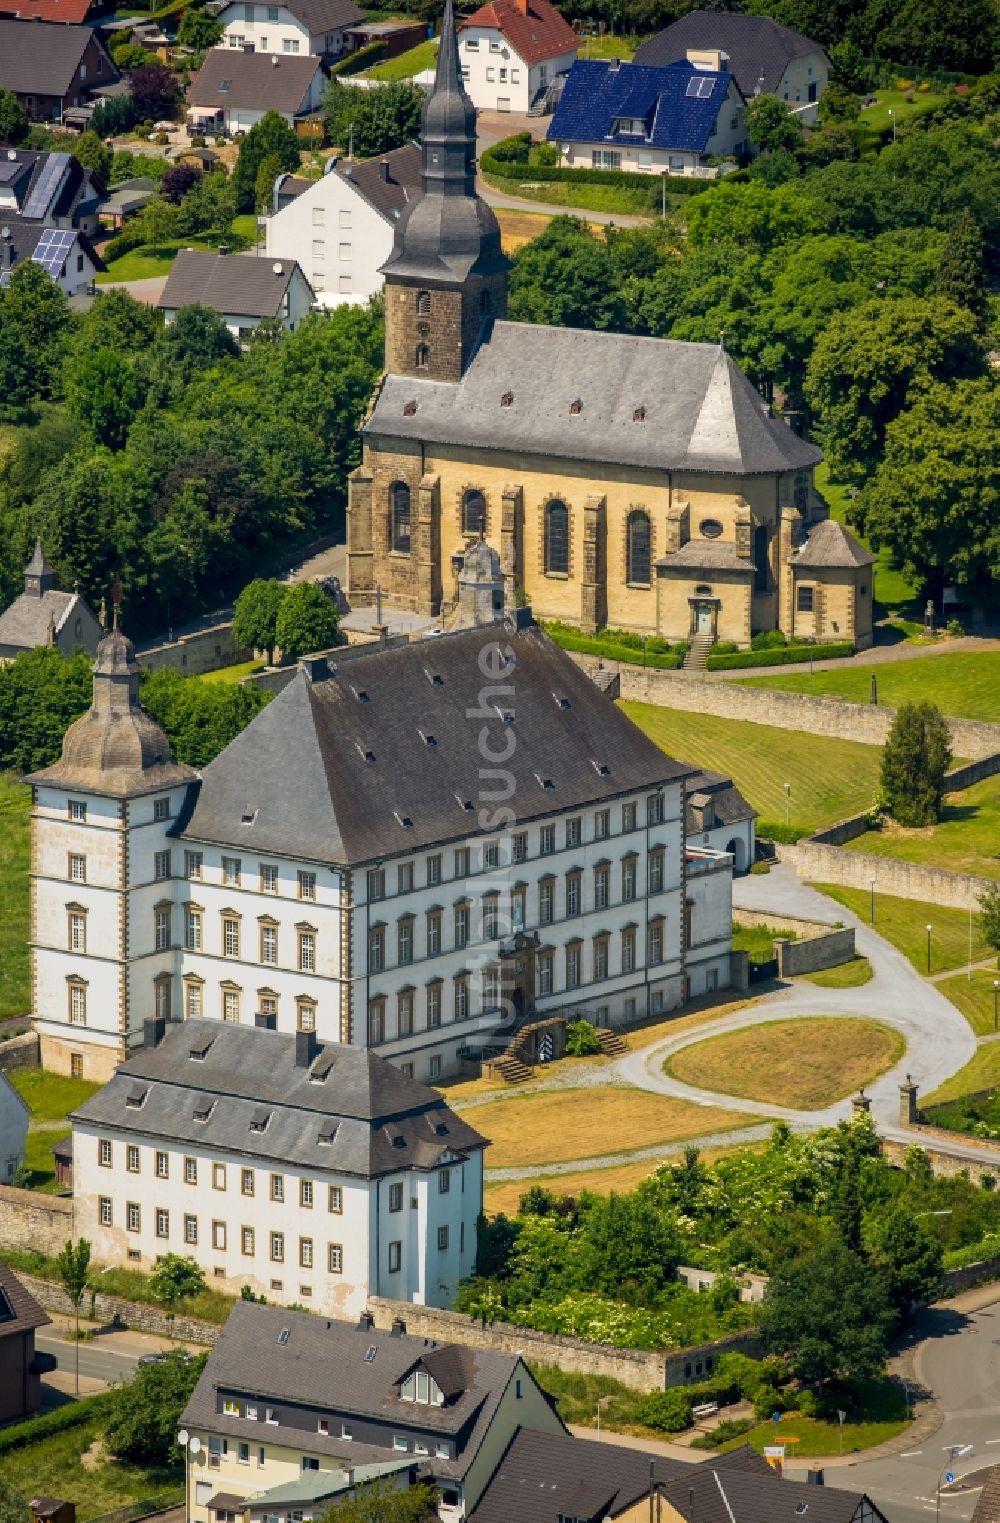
(32, 1222)
(943, 1162)
(135, 1314)
(868, 723)
(204, 651)
(818, 863)
(20, 1052)
(642, 1369)
(815, 952)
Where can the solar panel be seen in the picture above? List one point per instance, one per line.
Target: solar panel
(700, 86)
(52, 248)
(9, 172)
(47, 184)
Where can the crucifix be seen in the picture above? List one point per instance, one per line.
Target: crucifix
(116, 598)
(378, 602)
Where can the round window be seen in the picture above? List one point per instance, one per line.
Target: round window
(710, 527)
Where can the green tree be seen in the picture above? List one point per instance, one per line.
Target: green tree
(41, 693)
(129, 55)
(16, 371)
(838, 104)
(200, 718)
(270, 168)
(199, 30)
(934, 499)
(175, 1279)
(195, 341)
(117, 321)
(73, 1267)
(383, 1502)
(13, 123)
(271, 137)
(94, 154)
(871, 362)
(39, 312)
(255, 615)
(160, 221)
(209, 206)
(830, 1313)
(770, 125)
(908, 1256)
(103, 392)
(307, 620)
(989, 918)
(566, 278)
(143, 1415)
(961, 272)
(915, 759)
(372, 121)
(13, 1506)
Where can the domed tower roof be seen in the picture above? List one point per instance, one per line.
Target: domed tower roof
(448, 233)
(115, 747)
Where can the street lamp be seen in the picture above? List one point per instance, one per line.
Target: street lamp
(873, 901)
(929, 929)
(788, 801)
(996, 996)
(893, 115)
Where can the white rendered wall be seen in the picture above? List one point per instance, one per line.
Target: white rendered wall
(338, 238)
(493, 72)
(273, 29)
(13, 1130)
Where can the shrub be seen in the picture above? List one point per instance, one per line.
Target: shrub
(759, 869)
(723, 1433)
(510, 160)
(72, 1416)
(785, 655)
(581, 1040)
(809, 1404)
(667, 1411)
(769, 639)
(954, 627)
(768, 1401)
(776, 830)
(362, 59)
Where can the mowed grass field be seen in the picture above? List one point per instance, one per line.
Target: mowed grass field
(830, 778)
(964, 683)
(976, 997)
(965, 840)
(802, 1063)
(15, 806)
(559, 1125)
(504, 1195)
(70, 1464)
(981, 1072)
(904, 922)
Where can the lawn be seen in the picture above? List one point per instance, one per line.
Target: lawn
(15, 807)
(609, 47)
(802, 1063)
(406, 65)
(557, 1126)
(504, 1195)
(38, 1158)
(846, 975)
(830, 778)
(620, 200)
(63, 1466)
(904, 922)
(962, 682)
(891, 592)
(878, 117)
(758, 940)
(817, 1438)
(977, 999)
(981, 1072)
(148, 262)
(51, 1096)
(232, 674)
(965, 840)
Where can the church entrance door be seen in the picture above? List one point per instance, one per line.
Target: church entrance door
(703, 619)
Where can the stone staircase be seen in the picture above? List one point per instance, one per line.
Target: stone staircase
(612, 1042)
(697, 653)
(511, 1068)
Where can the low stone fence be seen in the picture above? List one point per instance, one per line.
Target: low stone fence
(139, 1315)
(206, 650)
(942, 1161)
(818, 863)
(20, 1052)
(954, 1280)
(814, 953)
(32, 1222)
(641, 1369)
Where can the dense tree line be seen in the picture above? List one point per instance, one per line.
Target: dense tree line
(165, 456)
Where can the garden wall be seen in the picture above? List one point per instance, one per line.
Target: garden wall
(20, 1052)
(135, 1314)
(32, 1222)
(868, 723)
(815, 952)
(906, 880)
(641, 1369)
(207, 650)
(943, 1162)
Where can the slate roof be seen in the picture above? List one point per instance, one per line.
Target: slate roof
(388, 193)
(244, 285)
(27, 621)
(706, 555)
(323, 15)
(38, 58)
(730, 806)
(385, 1121)
(598, 92)
(301, 768)
(756, 46)
(830, 544)
(19, 1311)
(255, 82)
(323, 1365)
(701, 413)
(544, 1477)
(535, 32)
(987, 1508)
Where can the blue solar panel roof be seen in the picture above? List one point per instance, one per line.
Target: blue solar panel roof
(47, 185)
(597, 95)
(52, 248)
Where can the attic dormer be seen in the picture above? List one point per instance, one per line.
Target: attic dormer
(419, 1386)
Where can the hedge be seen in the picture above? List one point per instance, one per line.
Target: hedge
(783, 656)
(74, 1415)
(587, 645)
(354, 62)
(508, 160)
(774, 830)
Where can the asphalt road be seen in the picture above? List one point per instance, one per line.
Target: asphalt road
(96, 1363)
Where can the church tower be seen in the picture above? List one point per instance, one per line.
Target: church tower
(447, 273)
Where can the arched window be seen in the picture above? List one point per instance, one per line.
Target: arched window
(423, 303)
(399, 502)
(423, 356)
(557, 537)
(473, 512)
(485, 302)
(639, 548)
(760, 577)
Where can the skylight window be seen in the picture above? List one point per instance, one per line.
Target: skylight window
(224, 84)
(434, 678)
(601, 768)
(700, 86)
(248, 816)
(428, 740)
(562, 700)
(366, 756)
(403, 819)
(203, 1109)
(136, 1097)
(360, 694)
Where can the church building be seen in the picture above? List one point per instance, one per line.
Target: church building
(634, 482)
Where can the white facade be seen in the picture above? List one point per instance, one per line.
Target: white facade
(639, 157)
(497, 78)
(280, 1229)
(338, 238)
(274, 29)
(295, 304)
(14, 1115)
(708, 901)
(803, 82)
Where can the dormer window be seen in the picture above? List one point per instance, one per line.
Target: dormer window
(639, 415)
(420, 1386)
(629, 124)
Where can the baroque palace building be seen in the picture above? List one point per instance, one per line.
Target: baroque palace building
(624, 481)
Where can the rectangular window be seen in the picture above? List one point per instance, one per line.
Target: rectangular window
(461, 925)
(319, 248)
(247, 1242)
(344, 216)
(77, 868)
(602, 824)
(573, 832)
(162, 1222)
(519, 847)
(335, 1199)
(546, 897)
(503, 76)
(218, 1176)
(404, 940)
(306, 1193)
(190, 1171)
(461, 998)
(277, 1186)
(395, 1257)
(404, 878)
(605, 158)
(77, 810)
(307, 951)
(107, 1213)
(433, 871)
(231, 871)
(433, 1005)
(132, 1158)
(268, 878)
(191, 1230)
(491, 75)
(547, 840)
(472, 44)
(574, 884)
(219, 1236)
(305, 1253)
(601, 887)
(491, 918)
(77, 931)
(804, 600)
(396, 1197)
(162, 1165)
(193, 864)
(434, 933)
(545, 972)
(307, 886)
(246, 1181)
(376, 883)
(77, 1005)
(161, 929)
(628, 950)
(655, 942)
(491, 856)
(628, 878)
(462, 862)
(104, 1153)
(277, 1247)
(600, 958)
(656, 872)
(193, 930)
(376, 949)
(161, 865)
(133, 1216)
(230, 936)
(376, 1021)
(335, 1263)
(442, 1239)
(573, 965)
(290, 45)
(269, 944)
(404, 1013)
(161, 809)
(305, 1014)
(231, 1005)
(444, 1182)
(435, 1068)
(193, 1003)
(654, 809)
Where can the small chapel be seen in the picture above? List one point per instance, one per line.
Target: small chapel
(624, 481)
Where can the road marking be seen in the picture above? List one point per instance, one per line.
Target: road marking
(993, 1440)
(912, 1454)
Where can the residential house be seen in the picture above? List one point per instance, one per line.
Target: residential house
(49, 190)
(717, 816)
(673, 120)
(20, 1367)
(765, 57)
(512, 51)
(310, 1171)
(244, 289)
(553, 1478)
(67, 256)
(233, 89)
(127, 199)
(287, 1398)
(42, 615)
(65, 12)
(340, 227)
(14, 1115)
(317, 27)
(48, 66)
(335, 868)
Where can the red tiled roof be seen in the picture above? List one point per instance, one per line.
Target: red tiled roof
(534, 28)
(47, 10)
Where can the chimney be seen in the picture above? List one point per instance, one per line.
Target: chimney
(366, 1321)
(7, 251)
(222, 250)
(274, 60)
(815, 1478)
(306, 1047)
(398, 1328)
(316, 668)
(266, 1020)
(383, 171)
(153, 1030)
(522, 6)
